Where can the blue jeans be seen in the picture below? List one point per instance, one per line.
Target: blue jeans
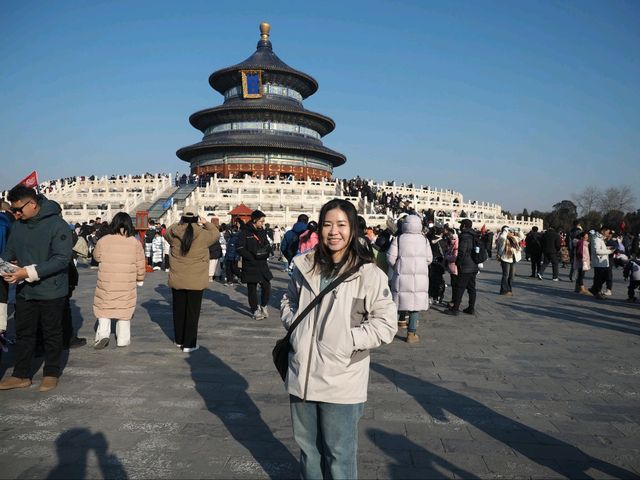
(413, 321)
(327, 434)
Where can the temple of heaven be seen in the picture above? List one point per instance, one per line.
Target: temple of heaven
(262, 128)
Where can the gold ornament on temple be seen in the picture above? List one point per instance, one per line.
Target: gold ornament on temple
(265, 28)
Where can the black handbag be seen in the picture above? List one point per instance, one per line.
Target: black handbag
(280, 352)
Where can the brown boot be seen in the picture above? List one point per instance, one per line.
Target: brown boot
(412, 337)
(48, 383)
(14, 382)
(584, 290)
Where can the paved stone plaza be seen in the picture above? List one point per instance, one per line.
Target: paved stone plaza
(545, 384)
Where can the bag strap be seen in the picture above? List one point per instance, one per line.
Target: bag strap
(317, 300)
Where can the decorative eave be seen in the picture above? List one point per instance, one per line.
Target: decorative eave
(261, 109)
(279, 144)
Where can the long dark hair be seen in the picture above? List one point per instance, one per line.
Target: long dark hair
(356, 250)
(122, 224)
(187, 238)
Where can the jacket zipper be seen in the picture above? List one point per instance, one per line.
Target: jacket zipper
(313, 336)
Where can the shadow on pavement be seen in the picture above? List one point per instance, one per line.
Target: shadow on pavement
(430, 464)
(73, 447)
(543, 449)
(571, 315)
(224, 392)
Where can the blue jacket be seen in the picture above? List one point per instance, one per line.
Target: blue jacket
(231, 255)
(5, 224)
(297, 229)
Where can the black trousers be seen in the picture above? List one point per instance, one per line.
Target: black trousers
(466, 281)
(553, 260)
(609, 281)
(186, 315)
(231, 271)
(580, 278)
(28, 313)
(536, 260)
(633, 284)
(599, 278)
(67, 321)
(4, 291)
(454, 287)
(265, 293)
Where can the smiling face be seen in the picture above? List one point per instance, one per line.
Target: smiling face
(336, 233)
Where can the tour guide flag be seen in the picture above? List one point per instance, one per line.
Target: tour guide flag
(30, 180)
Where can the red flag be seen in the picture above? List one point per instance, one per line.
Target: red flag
(622, 226)
(30, 180)
(484, 228)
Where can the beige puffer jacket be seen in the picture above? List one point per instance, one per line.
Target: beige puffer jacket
(122, 264)
(329, 361)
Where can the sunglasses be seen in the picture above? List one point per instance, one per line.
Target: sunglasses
(19, 209)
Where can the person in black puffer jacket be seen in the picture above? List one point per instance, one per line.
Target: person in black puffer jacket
(467, 269)
(255, 250)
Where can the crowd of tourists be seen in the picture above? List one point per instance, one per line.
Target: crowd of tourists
(381, 280)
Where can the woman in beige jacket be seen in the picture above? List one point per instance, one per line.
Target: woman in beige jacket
(121, 266)
(190, 240)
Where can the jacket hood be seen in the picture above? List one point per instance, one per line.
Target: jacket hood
(299, 227)
(48, 208)
(412, 224)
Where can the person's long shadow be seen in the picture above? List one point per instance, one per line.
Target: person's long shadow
(593, 320)
(430, 464)
(435, 400)
(73, 448)
(159, 311)
(240, 415)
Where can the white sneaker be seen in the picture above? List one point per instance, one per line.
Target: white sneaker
(258, 315)
(155, 269)
(265, 312)
(192, 349)
(607, 292)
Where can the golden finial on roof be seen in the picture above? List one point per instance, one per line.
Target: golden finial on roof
(265, 28)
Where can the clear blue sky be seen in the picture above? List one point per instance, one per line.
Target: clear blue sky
(520, 103)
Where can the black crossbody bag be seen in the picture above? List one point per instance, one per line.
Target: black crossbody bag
(280, 352)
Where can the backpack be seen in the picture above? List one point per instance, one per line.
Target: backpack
(479, 253)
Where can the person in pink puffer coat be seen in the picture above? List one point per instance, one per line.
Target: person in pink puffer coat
(308, 239)
(410, 256)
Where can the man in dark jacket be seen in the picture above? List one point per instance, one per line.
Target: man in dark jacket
(551, 250)
(574, 233)
(467, 269)
(534, 250)
(40, 243)
(289, 245)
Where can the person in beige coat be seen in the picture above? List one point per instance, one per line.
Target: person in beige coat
(121, 267)
(190, 240)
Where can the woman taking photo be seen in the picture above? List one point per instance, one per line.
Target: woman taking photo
(328, 369)
(255, 249)
(189, 241)
(508, 254)
(121, 266)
